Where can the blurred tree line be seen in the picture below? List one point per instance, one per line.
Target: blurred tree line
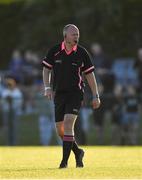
(37, 25)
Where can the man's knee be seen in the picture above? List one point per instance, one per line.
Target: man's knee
(60, 130)
(68, 126)
(61, 134)
(69, 121)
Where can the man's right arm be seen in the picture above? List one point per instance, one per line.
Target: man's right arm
(47, 83)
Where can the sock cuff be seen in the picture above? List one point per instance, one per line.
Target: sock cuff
(68, 138)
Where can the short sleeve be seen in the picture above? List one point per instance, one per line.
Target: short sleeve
(87, 63)
(48, 60)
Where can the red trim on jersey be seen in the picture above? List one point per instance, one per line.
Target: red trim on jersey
(89, 69)
(47, 64)
(80, 78)
(64, 48)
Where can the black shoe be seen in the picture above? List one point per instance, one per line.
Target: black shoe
(79, 157)
(63, 165)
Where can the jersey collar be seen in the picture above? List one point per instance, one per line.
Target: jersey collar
(68, 52)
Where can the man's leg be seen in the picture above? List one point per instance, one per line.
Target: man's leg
(68, 138)
(60, 129)
(60, 132)
(79, 153)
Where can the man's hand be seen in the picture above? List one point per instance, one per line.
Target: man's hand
(96, 103)
(48, 93)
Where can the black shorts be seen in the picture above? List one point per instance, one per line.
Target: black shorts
(66, 103)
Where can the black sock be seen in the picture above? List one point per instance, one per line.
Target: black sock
(75, 148)
(67, 146)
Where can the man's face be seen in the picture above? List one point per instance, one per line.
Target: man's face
(72, 35)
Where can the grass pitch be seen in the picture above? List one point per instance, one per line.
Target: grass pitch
(42, 163)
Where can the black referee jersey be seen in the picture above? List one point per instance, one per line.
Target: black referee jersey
(68, 67)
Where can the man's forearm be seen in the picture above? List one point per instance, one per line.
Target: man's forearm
(92, 83)
(46, 77)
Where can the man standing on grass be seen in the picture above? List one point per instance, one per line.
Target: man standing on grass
(67, 62)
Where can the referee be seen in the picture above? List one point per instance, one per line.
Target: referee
(67, 62)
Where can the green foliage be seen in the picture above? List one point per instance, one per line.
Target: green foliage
(10, 18)
(8, 1)
(37, 25)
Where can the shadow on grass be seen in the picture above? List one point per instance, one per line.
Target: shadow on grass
(28, 169)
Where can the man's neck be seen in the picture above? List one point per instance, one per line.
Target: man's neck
(68, 46)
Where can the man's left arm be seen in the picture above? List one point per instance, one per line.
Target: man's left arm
(94, 88)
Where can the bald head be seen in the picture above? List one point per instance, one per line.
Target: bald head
(69, 27)
(71, 34)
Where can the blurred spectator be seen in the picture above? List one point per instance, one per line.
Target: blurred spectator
(124, 71)
(16, 65)
(79, 132)
(29, 99)
(31, 68)
(103, 70)
(11, 108)
(99, 118)
(117, 115)
(131, 117)
(84, 116)
(106, 82)
(101, 62)
(45, 111)
(1, 90)
(138, 67)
